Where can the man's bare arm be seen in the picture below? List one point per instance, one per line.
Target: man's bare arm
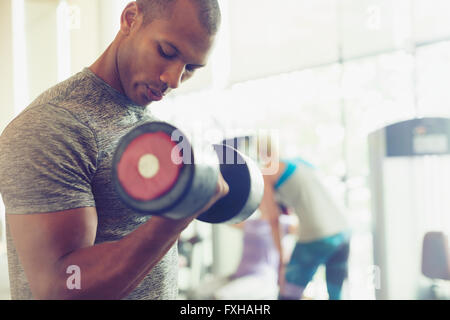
(49, 243)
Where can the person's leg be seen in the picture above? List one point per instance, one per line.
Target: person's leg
(291, 292)
(337, 271)
(299, 272)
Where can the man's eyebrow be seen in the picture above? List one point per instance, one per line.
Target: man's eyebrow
(174, 47)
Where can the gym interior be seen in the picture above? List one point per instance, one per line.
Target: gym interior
(358, 87)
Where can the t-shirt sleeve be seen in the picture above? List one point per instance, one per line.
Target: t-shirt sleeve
(47, 161)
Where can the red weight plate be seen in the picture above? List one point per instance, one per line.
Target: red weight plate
(159, 145)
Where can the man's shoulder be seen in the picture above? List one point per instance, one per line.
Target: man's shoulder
(62, 90)
(41, 118)
(42, 128)
(61, 104)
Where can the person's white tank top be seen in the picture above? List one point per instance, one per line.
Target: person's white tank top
(318, 212)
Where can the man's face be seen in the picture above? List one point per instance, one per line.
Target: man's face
(156, 58)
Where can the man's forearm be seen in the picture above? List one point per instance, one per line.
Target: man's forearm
(113, 270)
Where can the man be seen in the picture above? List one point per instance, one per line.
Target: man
(63, 216)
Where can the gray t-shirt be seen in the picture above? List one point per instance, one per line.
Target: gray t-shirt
(57, 155)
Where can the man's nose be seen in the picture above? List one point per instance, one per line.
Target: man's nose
(172, 76)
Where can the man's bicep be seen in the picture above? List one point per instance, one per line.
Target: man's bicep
(43, 239)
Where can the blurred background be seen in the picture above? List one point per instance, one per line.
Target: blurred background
(332, 77)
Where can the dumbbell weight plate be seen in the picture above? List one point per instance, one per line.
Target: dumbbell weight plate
(174, 190)
(145, 169)
(246, 187)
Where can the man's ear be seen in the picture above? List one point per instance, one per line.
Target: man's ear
(129, 18)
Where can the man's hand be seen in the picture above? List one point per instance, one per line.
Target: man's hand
(222, 190)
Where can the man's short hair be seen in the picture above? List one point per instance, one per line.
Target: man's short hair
(208, 12)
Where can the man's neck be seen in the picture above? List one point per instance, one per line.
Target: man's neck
(106, 67)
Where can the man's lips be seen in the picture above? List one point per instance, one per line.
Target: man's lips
(154, 95)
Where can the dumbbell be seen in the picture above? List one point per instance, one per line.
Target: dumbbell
(158, 171)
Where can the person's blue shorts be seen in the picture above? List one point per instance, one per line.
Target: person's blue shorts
(331, 251)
